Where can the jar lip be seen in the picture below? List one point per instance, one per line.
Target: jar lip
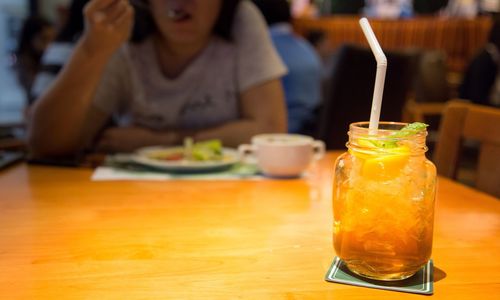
(361, 128)
(384, 140)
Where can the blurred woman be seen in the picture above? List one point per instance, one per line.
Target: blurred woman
(206, 69)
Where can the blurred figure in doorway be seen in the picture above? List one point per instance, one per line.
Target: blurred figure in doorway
(59, 51)
(388, 9)
(36, 34)
(302, 84)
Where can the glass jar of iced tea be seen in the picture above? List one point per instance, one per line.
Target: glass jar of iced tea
(383, 201)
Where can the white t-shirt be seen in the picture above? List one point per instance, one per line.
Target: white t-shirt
(206, 93)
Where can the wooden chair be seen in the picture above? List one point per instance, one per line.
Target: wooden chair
(463, 120)
(417, 111)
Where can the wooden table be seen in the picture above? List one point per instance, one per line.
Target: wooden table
(65, 237)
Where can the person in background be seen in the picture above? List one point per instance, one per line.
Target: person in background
(462, 9)
(303, 82)
(36, 34)
(59, 51)
(481, 83)
(206, 69)
(388, 9)
(304, 9)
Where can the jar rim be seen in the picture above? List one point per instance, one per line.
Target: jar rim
(384, 136)
(362, 129)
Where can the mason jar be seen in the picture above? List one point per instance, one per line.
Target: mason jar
(383, 202)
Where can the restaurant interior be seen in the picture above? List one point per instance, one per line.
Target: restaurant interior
(227, 149)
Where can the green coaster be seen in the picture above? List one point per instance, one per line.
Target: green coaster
(420, 283)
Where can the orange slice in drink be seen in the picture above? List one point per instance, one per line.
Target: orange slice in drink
(383, 166)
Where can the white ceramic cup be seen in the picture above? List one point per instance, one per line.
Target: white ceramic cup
(283, 155)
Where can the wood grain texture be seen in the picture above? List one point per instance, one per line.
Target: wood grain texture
(65, 237)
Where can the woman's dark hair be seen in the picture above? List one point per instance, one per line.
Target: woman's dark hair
(274, 11)
(74, 25)
(145, 26)
(224, 24)
(32, 26)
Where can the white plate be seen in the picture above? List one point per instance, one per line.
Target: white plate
(142, 156)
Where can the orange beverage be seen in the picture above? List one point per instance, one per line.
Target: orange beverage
(383, 202)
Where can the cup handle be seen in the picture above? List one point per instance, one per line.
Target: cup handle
(245, 150)
(319, 149)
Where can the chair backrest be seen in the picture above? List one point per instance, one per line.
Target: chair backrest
(349, 91)
(463, 120)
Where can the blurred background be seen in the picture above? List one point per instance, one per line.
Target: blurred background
(433, 44)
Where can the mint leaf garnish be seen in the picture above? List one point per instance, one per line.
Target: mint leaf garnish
(408, 130)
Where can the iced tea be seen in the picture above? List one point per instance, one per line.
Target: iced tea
(383, 202)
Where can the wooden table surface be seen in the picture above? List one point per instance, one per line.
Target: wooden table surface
(63, 236)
